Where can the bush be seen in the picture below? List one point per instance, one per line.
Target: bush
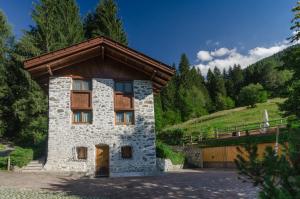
(2, 147)
(164, 151)
(21, 157)
(252, 94)
(171, 137)
(3, 163)
(224, 102)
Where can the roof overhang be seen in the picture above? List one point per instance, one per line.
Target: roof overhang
(44, 65)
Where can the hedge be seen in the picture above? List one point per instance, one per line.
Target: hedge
(164, 151)
(171, 137)
(19, 157)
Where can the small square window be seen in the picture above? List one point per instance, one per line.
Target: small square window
(126, 152)
(81, 153)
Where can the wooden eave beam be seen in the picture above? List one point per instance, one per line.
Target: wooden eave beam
(49, 57)
(49, 69)
(157, 80)
(137, 55)
(146, 67)
(68, 61)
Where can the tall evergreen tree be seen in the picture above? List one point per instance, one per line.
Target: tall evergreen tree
(5, 91)
(184, 69)
(296, 23)
(104, 21)
(219, 82)
(57, 25)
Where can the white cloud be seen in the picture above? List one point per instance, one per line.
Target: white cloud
(220, 52)
(224, 57)
(204, 56)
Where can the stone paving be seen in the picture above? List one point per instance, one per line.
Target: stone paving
(205, 184)
(13, 193)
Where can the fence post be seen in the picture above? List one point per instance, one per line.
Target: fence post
(191, 139)
(8, 163)
(276, 144)
(216, 133)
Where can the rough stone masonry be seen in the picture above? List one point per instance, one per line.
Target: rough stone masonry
(64, 136)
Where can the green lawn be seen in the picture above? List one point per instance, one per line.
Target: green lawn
(230, 118)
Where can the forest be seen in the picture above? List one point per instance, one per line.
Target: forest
(190, 94)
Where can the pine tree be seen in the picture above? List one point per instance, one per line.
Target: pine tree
(278, 176)
(296, 23)
(104, 21)
(5, 91)
(184, 69)
(57, 25)
(219, 82)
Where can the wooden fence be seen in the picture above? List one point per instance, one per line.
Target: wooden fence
(235, 131)
(223, 157)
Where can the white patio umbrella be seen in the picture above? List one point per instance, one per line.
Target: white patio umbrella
(266, 124)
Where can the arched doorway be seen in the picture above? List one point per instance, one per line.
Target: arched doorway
(102, 160)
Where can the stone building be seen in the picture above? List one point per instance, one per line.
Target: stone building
(101, 107)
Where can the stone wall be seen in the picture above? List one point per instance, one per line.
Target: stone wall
(193, 155)
(64, 136)
(167, 165)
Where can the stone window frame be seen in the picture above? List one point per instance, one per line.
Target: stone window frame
(123, 155)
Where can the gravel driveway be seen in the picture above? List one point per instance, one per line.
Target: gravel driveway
(183, 184)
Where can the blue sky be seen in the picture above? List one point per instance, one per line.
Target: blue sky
(210, 32)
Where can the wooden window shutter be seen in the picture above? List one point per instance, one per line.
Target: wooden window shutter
(81, 96)
(81, 100)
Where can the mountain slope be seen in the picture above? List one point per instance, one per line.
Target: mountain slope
(230, 118)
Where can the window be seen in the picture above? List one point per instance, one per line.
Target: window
(81, 101)
(82, 116)
(81, 153)
(81, 85)
(124, 87)
(126, 152)
(124, 117)
(124, 104)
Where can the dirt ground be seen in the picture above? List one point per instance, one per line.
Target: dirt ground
(206, 183)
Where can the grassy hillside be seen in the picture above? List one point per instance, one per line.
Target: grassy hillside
(230, 118)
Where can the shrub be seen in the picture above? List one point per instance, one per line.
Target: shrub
(2, 147)
(224, 102)
(3, 163)
(252, 94)
(21, 157)
(164, 151)
(171, 137)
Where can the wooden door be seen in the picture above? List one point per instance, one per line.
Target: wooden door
(102, 160)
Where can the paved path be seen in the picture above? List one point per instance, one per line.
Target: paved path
(185, 184)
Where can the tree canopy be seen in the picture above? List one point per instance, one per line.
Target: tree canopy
(104, 21)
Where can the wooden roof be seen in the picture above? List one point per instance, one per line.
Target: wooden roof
(44, 65)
